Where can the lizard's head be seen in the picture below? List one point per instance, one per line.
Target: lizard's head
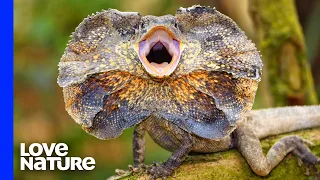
(159, 45)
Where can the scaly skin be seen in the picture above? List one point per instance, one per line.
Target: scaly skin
(109, 85)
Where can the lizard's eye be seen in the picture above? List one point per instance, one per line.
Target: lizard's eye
(142, 25)
(176, 25)
(159, 53)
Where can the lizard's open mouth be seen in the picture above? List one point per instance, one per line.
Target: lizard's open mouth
(159, 53)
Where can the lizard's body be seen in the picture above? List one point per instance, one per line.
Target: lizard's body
(170, 137)
(264, 123)
(257, 125)
(189, 80)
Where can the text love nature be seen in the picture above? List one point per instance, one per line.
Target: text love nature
(33, 160)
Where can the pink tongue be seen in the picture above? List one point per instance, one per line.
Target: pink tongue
(159, 67)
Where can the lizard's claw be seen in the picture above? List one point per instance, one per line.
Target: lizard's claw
(160, 171)
(120, 173)
(138, 168)
(311, 161)
(306, 157)
(313, 168)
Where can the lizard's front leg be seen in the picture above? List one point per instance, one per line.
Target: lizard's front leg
(139, 145)
(175, 160)
(250, 147)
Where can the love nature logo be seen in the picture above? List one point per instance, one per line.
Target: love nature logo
(33, 160)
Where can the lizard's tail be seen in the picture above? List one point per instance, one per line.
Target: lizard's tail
(273, 121)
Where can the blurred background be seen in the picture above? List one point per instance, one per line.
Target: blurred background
(41, 31)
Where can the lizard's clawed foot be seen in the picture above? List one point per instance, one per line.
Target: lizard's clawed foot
(306, 157)
(314, 169)
(141, 168)
(160, 171)
(124, 173)
(312, 166)
(120, 174)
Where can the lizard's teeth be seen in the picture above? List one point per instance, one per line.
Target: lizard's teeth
(159, 67)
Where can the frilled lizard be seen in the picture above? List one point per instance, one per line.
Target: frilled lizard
(188, 80)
